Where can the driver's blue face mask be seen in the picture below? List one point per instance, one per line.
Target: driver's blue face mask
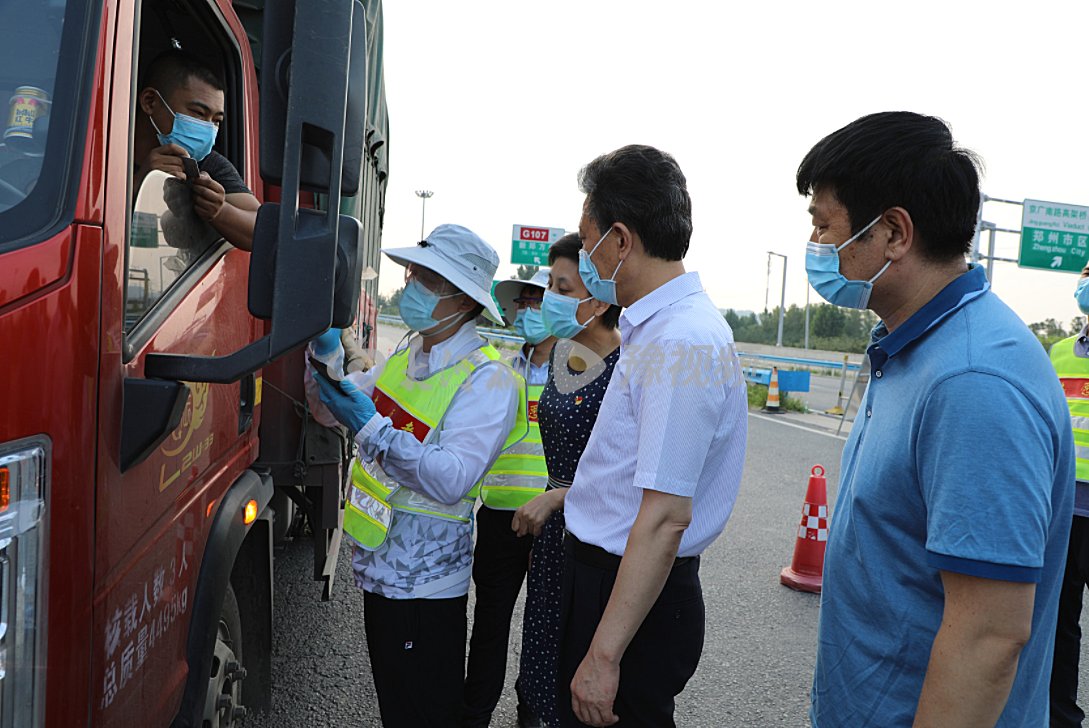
(191, 134)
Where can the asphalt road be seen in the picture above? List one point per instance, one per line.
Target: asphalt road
(757, 661)
(760, 645)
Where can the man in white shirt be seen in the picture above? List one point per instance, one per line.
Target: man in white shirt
(429, 423)
(661, 472)
(501, 557)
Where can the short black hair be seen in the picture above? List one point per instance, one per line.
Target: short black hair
(170, 70)
(645, 189)
(900, 159)
(568, 247)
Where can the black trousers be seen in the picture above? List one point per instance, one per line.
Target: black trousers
(662, 656)
(500, 563)
(417, 647)
(1065, 712)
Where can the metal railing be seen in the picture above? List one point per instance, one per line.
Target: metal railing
(485, 331)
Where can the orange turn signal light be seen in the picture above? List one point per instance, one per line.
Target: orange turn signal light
(250, 514)
(5, 489)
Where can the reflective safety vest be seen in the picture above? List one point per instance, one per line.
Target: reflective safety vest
(417, 407)
(519, 474)
(1073, 372)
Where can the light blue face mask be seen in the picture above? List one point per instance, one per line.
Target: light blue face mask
(602, 290)
(193, 135)
(418, 304)
(560, 315)
(1082, 295)
(822, 268)
(530, 326)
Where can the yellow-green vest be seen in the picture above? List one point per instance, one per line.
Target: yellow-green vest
(1073, 372)
(519, 474)
(417, 407)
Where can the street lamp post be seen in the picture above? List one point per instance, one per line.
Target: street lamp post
(767, 285)
(782, 297)
(424, 196)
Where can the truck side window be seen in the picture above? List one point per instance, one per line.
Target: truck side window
(168, 242)
(166, 237)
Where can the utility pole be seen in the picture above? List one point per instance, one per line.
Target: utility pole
(807, 286)
(424, 196)
(782, 297)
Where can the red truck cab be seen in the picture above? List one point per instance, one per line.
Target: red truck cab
(136, 530)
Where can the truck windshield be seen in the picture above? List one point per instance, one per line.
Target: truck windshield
(43, 60)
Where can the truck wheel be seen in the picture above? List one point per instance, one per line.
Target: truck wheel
(223, 702)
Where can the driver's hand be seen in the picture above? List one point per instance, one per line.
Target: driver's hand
(167, 159)
(208, 197)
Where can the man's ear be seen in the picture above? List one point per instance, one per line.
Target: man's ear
(626, 239)
(901, 232)
(147, 100)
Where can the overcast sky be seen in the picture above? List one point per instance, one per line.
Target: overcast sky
(495, 105)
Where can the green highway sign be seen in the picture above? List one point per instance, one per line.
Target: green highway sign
(1054, 236)
(530, 243)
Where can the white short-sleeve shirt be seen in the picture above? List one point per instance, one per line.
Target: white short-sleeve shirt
(674, 419)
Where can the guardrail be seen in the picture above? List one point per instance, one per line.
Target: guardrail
(795, 381)
(802, 361)
(794, 360)
(484, 330)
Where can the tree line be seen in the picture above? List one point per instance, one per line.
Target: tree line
(831, 328)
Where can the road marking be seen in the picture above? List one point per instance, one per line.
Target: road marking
(795, 425)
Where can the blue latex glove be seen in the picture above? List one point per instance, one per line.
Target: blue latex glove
(348, 403)
(326, 343)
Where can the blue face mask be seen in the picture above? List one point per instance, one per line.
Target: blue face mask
(417, 305)
(530, 326)
(1082, 295)
(193, 135)
(602, 290)
(822, 267)
(560, 315)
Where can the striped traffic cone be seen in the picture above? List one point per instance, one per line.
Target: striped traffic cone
(806, 569)
(772, 405)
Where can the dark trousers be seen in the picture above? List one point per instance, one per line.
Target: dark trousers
(1064, 670)
(417, 649)
(500, 562)
(661, 657)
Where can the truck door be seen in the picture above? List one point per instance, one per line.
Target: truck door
(174, 285)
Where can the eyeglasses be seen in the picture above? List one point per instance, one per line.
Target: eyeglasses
(429, 279)
(524, 302)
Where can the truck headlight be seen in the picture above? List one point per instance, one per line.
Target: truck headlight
(24, 485)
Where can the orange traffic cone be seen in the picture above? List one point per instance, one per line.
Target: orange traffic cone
(807, 567)
(772, 405)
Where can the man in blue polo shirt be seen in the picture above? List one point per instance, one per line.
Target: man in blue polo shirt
(948, 539)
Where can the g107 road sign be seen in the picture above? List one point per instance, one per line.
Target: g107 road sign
(530, 243)
(1054, 236)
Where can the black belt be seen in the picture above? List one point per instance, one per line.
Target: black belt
(599, 558)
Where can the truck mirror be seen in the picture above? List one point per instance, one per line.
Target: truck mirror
(346, 269)
(279, 52)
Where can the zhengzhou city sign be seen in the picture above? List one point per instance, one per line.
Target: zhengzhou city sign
(1054, 236)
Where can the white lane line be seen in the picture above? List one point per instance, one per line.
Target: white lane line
(780, 421)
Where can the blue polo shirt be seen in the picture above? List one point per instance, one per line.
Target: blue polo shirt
(961, 459)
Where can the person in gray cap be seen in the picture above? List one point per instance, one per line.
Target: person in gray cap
(429, 423)
(501, 557)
